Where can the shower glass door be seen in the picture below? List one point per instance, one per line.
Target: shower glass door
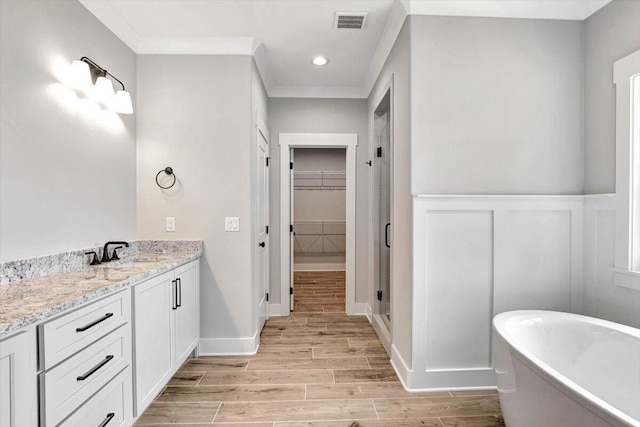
(382, 130)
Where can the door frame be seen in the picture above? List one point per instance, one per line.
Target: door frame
(287, 141)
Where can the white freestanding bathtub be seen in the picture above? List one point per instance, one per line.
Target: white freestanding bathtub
(565, 370)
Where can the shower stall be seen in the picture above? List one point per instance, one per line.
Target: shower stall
(382, 207)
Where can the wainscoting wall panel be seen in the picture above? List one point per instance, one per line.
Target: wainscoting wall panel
(459, 269)
(475, 257)
(533, 260)
(602, 297)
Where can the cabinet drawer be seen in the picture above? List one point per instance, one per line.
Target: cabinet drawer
(68, 385)
(72, 332)
(110, 407)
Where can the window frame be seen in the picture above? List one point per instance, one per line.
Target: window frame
(626, 78)
(634, 256)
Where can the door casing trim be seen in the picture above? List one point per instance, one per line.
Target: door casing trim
(348, 141)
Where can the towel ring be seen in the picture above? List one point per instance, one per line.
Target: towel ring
(169, 171)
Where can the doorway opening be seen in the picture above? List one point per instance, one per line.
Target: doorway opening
(319, 234)
(319, 228)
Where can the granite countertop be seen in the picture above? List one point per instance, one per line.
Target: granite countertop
(30, 301)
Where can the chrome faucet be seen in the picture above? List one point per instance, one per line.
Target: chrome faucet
(105, 250)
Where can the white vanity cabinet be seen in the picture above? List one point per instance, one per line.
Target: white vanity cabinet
(82, 352)
(166, 329)
(18, 383)
(153, 337)
(186, 318)
(98, 363)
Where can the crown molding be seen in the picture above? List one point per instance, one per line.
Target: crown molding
(111, 18)
(262, 64)
(398, 15)
(196, 46)
(345, 92)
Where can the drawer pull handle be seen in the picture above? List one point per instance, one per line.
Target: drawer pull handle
(179, 296)
(95, 368)
(94, 323)
(174, 295)
(108, 418)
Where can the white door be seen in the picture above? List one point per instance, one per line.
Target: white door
(186, 315)
(292, 234)
(154, 301)
(262, 224)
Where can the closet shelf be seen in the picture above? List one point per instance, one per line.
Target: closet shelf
(319, 180)
(310, 187)
(320, 227)
(319, 237)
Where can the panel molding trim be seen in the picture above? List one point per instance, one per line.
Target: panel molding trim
(605, 296)
(477, 256)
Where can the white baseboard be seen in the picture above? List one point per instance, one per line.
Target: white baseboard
(400, 366)
(452, 380)
(445, 380)
(229, 346)
(382, 330)
(360, 309)
(275, 310)
(319, 267)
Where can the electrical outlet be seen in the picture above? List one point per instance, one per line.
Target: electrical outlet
(232, 224)
(170, 224)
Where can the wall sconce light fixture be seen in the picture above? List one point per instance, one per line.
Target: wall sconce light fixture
(87, 76)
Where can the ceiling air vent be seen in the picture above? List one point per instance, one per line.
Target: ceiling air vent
(350, 20)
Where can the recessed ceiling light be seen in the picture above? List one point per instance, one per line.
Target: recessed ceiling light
(320, 60)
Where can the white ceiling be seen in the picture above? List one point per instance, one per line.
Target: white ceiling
(576, 10)
(284, 35)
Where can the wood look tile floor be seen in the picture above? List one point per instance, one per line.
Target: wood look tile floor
(315, 368)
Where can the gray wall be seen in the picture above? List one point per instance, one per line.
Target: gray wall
(322, 116)
(67, 176)
(610, 34)
(194, 114)
(496, 106)
(398, 65)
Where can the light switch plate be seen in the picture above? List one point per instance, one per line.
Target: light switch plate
(231, 224)
(170, 224)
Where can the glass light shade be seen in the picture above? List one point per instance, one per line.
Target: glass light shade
(79, 76)
(122, 103)
(320, 60)
(104, 91)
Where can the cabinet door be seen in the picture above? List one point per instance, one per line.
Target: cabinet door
(186, 316)
(18, 383)
(153, 325)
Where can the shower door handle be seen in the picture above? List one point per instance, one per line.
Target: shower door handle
(386, 235)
